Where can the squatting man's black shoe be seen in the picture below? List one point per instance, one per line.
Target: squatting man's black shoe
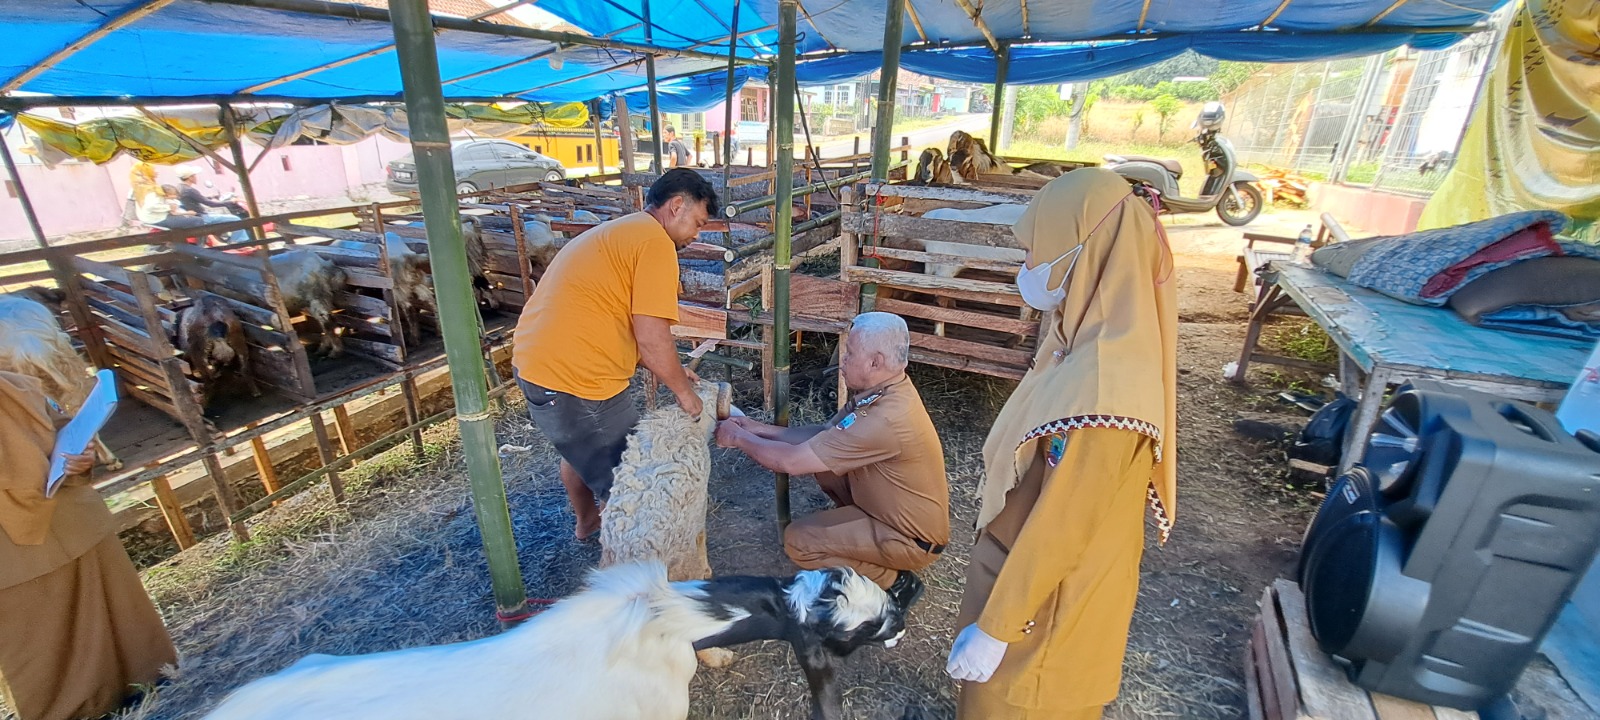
(906, 589)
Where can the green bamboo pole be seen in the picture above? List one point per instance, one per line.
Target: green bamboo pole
(458, 311)
(1002, 67)
(650, 88)
(727, 108)
(782, 229)
(883, 131)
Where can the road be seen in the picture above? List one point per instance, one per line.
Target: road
(932, 136)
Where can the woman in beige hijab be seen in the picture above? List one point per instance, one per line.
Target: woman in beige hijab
(77, 631)
(1079, 448)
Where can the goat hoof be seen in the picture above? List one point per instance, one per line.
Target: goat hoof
(715, 657)
(114, 465)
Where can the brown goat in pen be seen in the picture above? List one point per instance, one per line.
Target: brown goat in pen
(212, 340)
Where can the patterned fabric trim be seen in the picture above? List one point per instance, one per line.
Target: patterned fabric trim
(1078, 422)
(1063, 426)
(1159, 510)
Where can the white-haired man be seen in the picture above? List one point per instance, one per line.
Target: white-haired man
(879, 459)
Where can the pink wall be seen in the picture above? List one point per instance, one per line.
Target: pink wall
(75, 197)
(1371, 211)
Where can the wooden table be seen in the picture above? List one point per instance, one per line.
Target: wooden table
(1383, 341)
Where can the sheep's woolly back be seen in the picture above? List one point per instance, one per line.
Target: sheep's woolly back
(657, 509)
(34, 345)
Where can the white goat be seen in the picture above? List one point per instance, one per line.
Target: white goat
(1007, 215)
(32, 343)
(622, 649)
(995, 215)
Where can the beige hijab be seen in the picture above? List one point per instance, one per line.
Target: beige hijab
(1108, 354)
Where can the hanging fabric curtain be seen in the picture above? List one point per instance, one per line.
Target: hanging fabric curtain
(1534, 140)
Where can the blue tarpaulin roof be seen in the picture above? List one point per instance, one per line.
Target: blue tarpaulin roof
(201, 49)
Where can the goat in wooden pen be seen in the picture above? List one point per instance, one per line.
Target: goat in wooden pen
(309, 282)
(412, 293)
(970, 158)
(932, 169)
(35, 345)
(621, 648)
(212, 340)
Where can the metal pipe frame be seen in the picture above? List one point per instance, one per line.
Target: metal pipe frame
(727, 109)
(656, 129)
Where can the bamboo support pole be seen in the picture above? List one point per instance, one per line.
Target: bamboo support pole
(1002, 68)
(783, 221)
(727, 108)
(458, 312)
(894, 24)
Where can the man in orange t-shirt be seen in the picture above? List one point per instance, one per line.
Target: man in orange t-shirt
(606, 305)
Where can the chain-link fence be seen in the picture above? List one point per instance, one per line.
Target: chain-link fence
(1391, 121)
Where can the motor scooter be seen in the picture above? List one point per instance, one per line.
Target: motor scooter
(1228, 189)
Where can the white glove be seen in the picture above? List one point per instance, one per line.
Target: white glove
(974, 656)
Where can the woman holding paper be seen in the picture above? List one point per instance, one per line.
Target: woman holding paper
(77, 631)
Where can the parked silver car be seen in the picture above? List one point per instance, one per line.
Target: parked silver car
(480, 165)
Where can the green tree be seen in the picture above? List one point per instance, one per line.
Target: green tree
(1138, 121)
(1166, 108)
(1037, 102)
(1230, 75)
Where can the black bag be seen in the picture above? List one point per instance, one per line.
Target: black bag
(1322, 440)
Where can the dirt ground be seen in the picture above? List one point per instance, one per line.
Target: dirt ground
(402, 564)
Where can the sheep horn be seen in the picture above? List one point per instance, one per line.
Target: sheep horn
(724, 400)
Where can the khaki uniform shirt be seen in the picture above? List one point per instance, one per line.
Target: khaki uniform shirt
(884, 444)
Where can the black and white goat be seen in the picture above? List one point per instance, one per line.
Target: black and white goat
(623, 648)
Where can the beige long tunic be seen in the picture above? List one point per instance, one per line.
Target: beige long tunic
(79, 631)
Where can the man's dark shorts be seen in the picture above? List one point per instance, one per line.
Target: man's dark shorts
(589, 434)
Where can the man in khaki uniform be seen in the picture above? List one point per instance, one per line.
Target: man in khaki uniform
(879, 460)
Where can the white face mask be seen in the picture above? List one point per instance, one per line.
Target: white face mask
(1034, 282)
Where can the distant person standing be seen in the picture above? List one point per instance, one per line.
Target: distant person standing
(676, 150)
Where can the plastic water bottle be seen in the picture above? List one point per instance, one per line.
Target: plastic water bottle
(1302, 247)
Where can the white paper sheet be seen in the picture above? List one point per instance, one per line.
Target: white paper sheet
(75, 437)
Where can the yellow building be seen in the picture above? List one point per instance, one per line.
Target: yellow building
(573, 148)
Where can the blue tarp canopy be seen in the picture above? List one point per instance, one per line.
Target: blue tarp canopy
(226, 49)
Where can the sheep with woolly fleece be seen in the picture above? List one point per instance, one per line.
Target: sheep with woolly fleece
(35, 345)
(657, 508)
(622, 649)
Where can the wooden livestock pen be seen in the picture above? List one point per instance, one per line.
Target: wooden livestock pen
(943, 276)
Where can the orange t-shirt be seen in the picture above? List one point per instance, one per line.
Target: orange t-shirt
(576, 332)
